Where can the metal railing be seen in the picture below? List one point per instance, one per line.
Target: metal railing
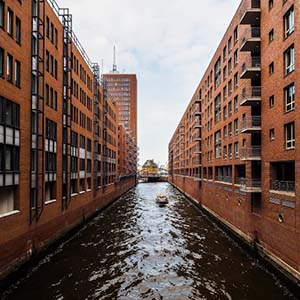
(249, 92)
(251, 32)
(250, 184)
(250, 152)
(253, 122)
(224, 178)
(281, 185)
(254, 63)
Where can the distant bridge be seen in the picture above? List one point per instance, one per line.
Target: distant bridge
(152, 178)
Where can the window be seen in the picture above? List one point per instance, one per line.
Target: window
(2, 13)
(272, 134)
(218, 109)
(271, 68)
(236, 103)
(9, 68)
(271, 101)
(230, 129)
(236, 149)
(18, 73)
(82, 142)
(230, 66)
(289, 22)
(229, 108)
(218, 73)
(271, 35)
(51, 135)
(230, 151)
(225, 113)
(289, 62)
(229, 45)
(289, 135)
(224, 53)
(218, 144)
(10, 20)
(235, 34)
(236, 126)
(47, 27)
(52, 33)
(271, 4)
(224, 73)
(1, 62)
(236, 80)
(289, 95)
(47, 61)
(55, 38)
(18, 30)
(235, 57)
(47, 94)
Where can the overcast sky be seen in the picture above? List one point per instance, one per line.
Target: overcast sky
(167, 43)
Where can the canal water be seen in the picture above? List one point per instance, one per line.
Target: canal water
(138, 250)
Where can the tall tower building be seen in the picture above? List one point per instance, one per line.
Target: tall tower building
(123, 90)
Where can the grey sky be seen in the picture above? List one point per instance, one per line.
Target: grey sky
(168, 44)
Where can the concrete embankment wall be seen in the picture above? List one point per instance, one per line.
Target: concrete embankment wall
(21, 241)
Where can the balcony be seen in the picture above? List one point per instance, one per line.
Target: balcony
(252, 15)
(251, 40)
(251, 153)
(197, 150)
(196, 162)
(197, 100)
(197, 124)
(224, 178)
(196, 138)
(283, 186)
(251, 96)
(250, 185)
(251, 70)
(251, 124)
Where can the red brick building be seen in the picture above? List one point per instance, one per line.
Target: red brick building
(235, 148)
(122, 88)
(58, 131)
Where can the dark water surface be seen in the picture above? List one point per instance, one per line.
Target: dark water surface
(137, 250)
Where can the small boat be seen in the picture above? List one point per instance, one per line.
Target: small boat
(162, 199)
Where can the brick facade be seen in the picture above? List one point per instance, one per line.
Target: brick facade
(58, 131)
(237, 140)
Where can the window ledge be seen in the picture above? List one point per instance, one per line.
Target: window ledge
(10, 213)
(73, 195)
(290, 194)
(50, 201)
(89, 190)
(82, 192)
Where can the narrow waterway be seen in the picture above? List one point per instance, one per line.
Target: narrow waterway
(138, 250)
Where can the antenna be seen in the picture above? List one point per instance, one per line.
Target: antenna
(115, 61)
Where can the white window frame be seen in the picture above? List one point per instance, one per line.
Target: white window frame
(289, 22)
(289, 95)
(289, 60)
(290, 136)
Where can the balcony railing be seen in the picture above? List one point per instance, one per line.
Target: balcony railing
(251, 32)
(196, 162)
(254, 63)
(250, 153)
(224, 178)
(196, 138)
(281, 185)
(250, 185)
(252, 93)
(251, 124)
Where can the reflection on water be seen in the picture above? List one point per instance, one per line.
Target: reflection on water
(138, 250)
